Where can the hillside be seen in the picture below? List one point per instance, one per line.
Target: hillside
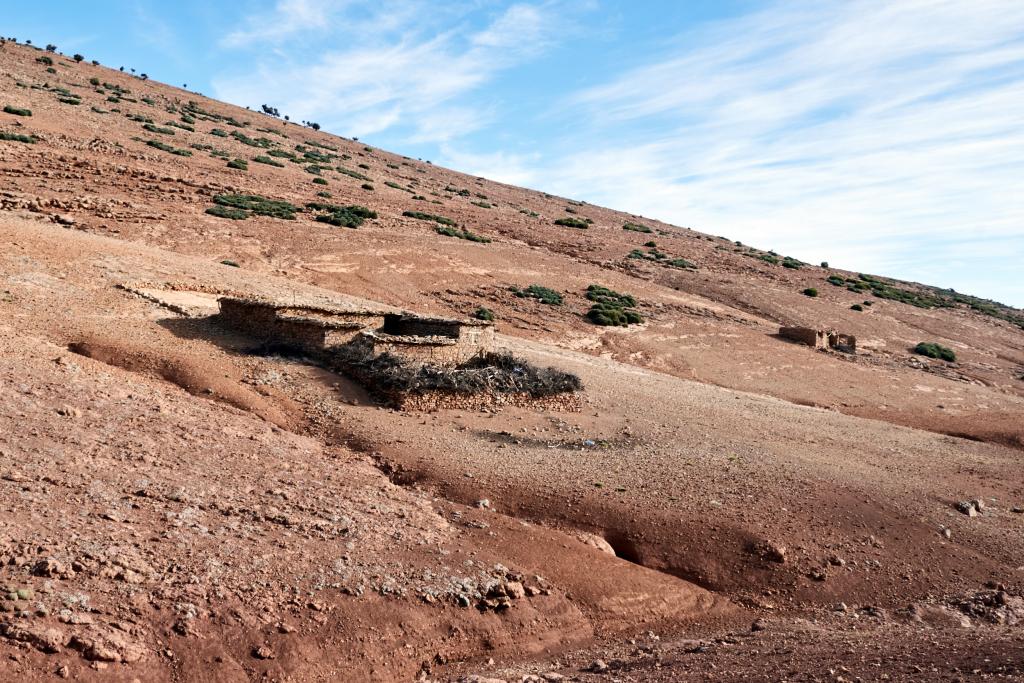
(180, 509)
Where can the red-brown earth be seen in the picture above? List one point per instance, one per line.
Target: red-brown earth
(175, 508)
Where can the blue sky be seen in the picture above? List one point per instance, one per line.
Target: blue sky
(882, 136)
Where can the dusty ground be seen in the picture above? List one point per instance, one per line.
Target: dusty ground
(178, 509)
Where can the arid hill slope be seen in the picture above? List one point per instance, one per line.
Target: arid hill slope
(177, 508)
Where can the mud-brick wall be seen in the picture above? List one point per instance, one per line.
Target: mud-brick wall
(441, 354)
(478, 337)
(340, 336)
(250, 319)
(407, 326)
(805, 335)
(310, 337)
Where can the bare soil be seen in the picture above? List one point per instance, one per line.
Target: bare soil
(726, 505)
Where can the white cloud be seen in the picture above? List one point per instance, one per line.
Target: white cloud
(404, 64)
(288, 18)
(878, 135)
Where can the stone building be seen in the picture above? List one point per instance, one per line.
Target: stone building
(317, 328)
(820, 339)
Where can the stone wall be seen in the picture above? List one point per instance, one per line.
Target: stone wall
(448, 401)
(820, 339)
(404, 325)
(804, 335)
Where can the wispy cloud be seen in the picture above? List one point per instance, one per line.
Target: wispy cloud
(876, 133)
(406, 64)
(288, 18)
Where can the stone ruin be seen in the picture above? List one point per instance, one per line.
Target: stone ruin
(315, 329)
(408, 361)
(820, 339)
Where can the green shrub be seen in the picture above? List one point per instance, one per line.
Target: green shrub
(462, 234)
(157, 129)
(257, 205)
(316, 181)
(419, 215)
(219, 133)
(653, 254)
(578, 223)
(392, 184)
(8, 109)
(73, 100)
(183, 126)
(933, 350)
(240, 164)
(325, 195)
(810, 291)
(611, 308)
(856, 307)
(17, 137)
(792, 263)
(353, 174)
(367, 186)
(351, 216)
(769, 258)
(48, 61)
(482, 205)
(539, 292)
(483, 313)
(227, 212)
(652, 244)
(229, 262)
(636, 227)
(167, 148)
(263, 143)
(268, 161)
(824, 264)
(836, 280)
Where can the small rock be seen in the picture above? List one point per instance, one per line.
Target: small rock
(946, 532)
(759, 625)
(598, 666)
(483, 503)
(263, 652)
(1016, 509)
(967, 507)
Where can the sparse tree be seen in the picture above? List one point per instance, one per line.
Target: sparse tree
(287, 118)
(78, 58)
(122, 69)
(314, 126)
(51, 48)
(144, 77)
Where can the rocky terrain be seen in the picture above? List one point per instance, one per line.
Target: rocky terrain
(726, 505)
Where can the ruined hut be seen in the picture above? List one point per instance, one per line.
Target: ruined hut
(312, 328)
(320, 327)
(820, 339)
(441, 341)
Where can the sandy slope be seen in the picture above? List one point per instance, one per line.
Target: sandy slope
(178, 509)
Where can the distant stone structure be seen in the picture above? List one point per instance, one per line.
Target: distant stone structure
(820, 339)
(317, 328)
